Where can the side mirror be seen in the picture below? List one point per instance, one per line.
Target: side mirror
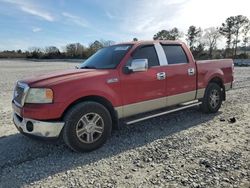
(137, 65)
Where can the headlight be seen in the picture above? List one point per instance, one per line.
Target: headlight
(39, 95)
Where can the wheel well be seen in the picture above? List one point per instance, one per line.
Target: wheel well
(100, 100)
(219, 81)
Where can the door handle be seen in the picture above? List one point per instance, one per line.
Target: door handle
(161, 75)
(191, 71)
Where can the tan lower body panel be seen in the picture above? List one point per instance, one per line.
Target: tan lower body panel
(200, 93)
(180, 98)
(146, 106)
(140, 107)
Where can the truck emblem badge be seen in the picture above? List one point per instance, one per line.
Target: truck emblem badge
(112, 80)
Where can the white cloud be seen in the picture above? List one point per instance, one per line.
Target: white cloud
(42, 14)
(70, 18)
(109, 15)
(31, 9)
(209, 13)
(148, 17)
(68, 15)
(36, 29)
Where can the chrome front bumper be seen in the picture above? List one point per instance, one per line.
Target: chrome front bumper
(38, 128)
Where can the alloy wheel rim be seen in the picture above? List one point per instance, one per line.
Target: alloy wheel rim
(214, 98)
(90, 128)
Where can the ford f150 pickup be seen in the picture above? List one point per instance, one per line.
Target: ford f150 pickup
(123, 82)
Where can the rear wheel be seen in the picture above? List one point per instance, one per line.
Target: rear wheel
(212, 100)
(87, 126)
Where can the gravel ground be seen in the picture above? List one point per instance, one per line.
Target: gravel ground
(183, 149)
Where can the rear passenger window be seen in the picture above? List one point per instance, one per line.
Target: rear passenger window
(147, 52)
(175, 54)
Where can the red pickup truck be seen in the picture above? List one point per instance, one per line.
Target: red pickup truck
(118, 82)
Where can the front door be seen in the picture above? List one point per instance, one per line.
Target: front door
(144, 91)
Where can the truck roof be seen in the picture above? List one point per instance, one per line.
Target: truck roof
(153, 41)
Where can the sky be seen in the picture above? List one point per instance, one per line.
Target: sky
(41, 23)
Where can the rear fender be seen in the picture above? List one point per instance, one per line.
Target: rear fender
(210, 75)
(218, 78)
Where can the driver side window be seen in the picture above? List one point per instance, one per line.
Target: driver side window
(147, 52)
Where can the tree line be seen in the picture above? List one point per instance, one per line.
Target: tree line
(70, 51)
(202, 43)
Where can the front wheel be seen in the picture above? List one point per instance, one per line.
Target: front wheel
(212, 100)
(87, 126)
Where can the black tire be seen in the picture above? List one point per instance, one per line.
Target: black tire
(74, 119)
(208, 105)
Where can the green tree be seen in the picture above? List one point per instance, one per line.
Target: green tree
(227, 31)
(239, 22)
(199, 51)
(75, 50)
(135, 39)
(246, 37)
(161, 35)
(70, 50)
(52, 52)
(35, 52)
(172, 34)
(94, 47)
(193, 37)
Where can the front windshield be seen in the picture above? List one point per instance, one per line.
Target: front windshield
(106, 58)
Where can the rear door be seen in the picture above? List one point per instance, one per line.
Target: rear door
(180, 75)
(144, 91)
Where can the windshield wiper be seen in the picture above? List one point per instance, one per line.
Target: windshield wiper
(88, 67)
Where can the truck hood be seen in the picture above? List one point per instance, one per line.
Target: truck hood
(57, 77)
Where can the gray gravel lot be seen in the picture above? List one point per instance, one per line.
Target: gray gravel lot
(183, 149)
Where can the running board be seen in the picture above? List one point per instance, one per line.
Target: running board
(163, 113)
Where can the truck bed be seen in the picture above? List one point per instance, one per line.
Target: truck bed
(207, 69)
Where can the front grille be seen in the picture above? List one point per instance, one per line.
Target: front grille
(19, 93)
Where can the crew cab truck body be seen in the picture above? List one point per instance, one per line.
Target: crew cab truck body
(83, 105)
